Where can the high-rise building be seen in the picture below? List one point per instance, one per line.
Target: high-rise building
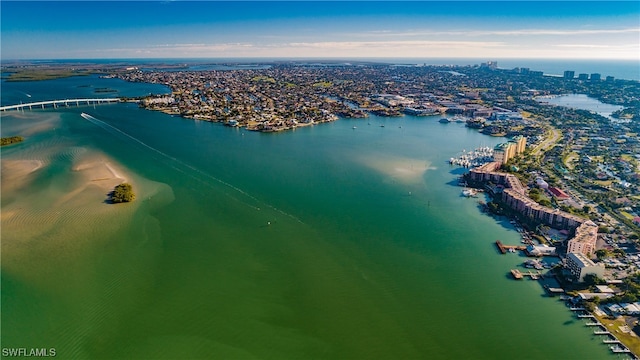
(503, 152)
(580, 265)
(595, 77)
(569, 74)
(585, 239)
(490, 64)
(583, 76)
(610, 79)
(521, 143)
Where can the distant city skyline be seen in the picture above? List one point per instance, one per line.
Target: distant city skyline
(431, 29)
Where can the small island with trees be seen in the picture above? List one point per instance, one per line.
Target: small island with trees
(122, 193)
(11, 140)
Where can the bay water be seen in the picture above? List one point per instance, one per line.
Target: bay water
(345, 240)
(584, 102)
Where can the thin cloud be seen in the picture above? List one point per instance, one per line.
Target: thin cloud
(516, 32)
(599, 46)
(392, 44)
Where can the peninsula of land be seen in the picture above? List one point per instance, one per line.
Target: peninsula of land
(574, 187)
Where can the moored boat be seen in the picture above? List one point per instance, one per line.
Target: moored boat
(516, 274)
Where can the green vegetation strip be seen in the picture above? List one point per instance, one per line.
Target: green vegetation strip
(626, 214)
(11, 140)
(37, 75)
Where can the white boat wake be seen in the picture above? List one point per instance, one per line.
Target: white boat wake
(115, 130)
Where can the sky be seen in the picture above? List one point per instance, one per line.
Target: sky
(308, 29)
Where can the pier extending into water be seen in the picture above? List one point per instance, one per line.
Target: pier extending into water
(504, 248)
(616, 346)
(56, 103)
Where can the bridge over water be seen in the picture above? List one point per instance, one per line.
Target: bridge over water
(56, 103)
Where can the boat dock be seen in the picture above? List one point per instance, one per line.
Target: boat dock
(532, 275)
(616, 346)
(617, 349)
(504, 248)
(586, 316)
(554, 290)
(516, 274)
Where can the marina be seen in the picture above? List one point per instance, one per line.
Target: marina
(473, 158)
(609, 339)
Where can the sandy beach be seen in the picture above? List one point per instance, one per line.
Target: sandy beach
(57, 215)
(17, 173)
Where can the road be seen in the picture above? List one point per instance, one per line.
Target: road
(547, 143)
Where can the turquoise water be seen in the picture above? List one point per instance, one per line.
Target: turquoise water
(325, 242)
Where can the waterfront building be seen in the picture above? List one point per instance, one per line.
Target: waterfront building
(514, 196)
(584, 240)
(623, 309)
(506, 115)
(580, 265)
(595, 77)
(503, 152)
(589, 296)
(609, 79)
(521, 143)
(583, 76)
(543, 250)
(569, 74)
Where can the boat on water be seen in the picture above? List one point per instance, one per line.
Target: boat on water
(444, 120)
(469, 192)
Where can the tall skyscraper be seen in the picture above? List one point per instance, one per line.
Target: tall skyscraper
(569, 74)
(595, 77)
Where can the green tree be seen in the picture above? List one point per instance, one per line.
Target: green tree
(602, 253)
(122, 193)
(544, 202)
(593, 279)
